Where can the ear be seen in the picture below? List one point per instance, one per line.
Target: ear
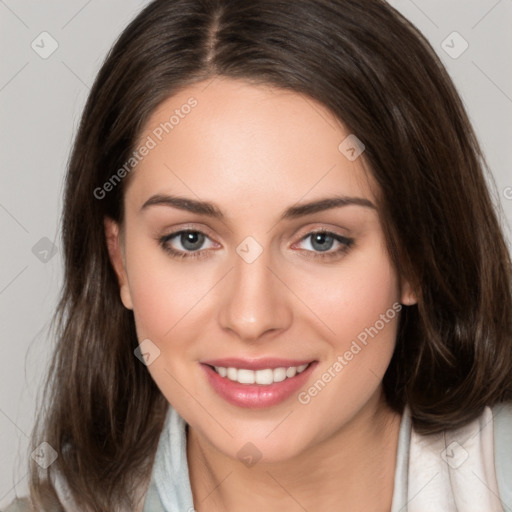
(407, 293)
(116, 254)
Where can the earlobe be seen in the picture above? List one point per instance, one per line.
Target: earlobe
(115, 252)
(408, 296)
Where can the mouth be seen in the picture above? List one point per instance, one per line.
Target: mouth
(257, 384)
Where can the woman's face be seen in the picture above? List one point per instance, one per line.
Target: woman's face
(249, 286)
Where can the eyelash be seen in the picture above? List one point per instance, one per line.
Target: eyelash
(346, 244)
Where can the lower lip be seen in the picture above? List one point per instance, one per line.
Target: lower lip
(256, 396)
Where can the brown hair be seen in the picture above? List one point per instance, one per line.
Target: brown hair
(381, 78)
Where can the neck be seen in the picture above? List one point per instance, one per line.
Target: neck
(353, 470)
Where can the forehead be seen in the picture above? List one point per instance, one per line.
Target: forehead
(237, 143)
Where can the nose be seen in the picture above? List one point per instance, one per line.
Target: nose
(254, 300)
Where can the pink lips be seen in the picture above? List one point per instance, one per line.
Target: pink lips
(255, 395)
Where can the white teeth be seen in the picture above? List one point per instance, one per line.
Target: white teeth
(263, 377)
(246, 376)
(221, 371)
(291, 371)
(279, 374)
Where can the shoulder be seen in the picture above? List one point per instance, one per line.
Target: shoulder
(502, 419)
(19, 505)
(23, 504)
(471, 464)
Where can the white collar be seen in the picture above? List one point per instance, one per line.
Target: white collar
(450, 472)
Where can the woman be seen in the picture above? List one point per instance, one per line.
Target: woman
(286, 287)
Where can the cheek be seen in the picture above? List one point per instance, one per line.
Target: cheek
(352, 297)
(153, 304)
(368, 303)
(162, 291)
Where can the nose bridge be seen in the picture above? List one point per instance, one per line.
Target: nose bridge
(254, 299)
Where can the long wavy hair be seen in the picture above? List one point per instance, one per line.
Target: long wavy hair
(102, 412)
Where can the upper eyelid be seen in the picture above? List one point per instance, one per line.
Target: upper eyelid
(341, 239)
(186, 228)
(319, 226)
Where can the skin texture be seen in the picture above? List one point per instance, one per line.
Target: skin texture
(254, 151)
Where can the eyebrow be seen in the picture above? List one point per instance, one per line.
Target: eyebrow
(211, 210)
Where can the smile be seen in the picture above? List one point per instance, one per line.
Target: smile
(264, 377)
(269, 382)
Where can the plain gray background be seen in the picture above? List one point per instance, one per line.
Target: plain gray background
(41, 101)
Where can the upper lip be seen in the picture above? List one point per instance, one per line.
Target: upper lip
(256, 364)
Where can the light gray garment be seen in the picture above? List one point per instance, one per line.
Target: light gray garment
(170, 491)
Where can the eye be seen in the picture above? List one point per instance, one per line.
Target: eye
(321, 243)
(190, 240)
